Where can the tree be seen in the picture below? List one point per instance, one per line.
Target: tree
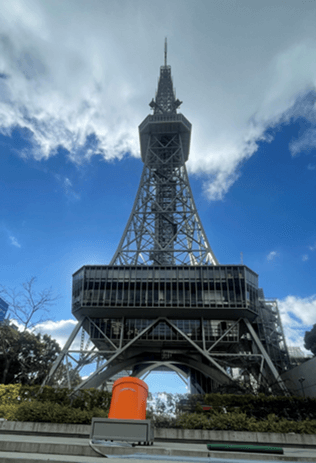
(27, 306)
(25, 358)
(63, 373)
(310, 340)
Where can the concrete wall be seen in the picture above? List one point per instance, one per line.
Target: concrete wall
(82, 430)
(241, 437)
(26, 427)
(308, 371)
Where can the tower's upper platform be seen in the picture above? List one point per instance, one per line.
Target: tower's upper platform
(165, 119)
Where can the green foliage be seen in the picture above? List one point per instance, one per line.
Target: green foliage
(60, 396)
(236, 421)
(28, 403)
(54, 413)
(88, 399)
(18, 393)
(243, 412)
(246, 412)
(9, 394)
(259, 406)
(25, 358)
(49, 412)
(8, 411)
(164, 421)
(217, 421)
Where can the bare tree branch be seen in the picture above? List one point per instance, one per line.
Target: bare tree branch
(27, 306)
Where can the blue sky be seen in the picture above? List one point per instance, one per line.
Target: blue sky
(75, 83)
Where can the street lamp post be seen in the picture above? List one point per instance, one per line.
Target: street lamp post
(301, 380)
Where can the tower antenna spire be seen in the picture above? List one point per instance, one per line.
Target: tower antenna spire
(165, 51)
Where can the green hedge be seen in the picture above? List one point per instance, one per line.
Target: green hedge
(86, 399)
(26, 403)
(49, 413)
(260, 406)
(243, 412)
(241, 422)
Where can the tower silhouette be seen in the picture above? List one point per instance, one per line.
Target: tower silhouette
(164, 301)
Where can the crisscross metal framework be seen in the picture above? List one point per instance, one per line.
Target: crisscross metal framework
(164, 227)
(164, 300)
(217, 352)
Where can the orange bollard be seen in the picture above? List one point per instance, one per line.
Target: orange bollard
(129, 399)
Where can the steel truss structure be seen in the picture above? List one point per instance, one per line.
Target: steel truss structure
(164, 301)
(271, 332)
(194, 353)
(164, 227)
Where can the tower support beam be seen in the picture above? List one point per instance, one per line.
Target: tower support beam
(272, 368)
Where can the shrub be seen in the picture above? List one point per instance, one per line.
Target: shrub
(10, 393)
(86, 399)
(55, 413)
(8, 411)
(240, 422)
(259, 406)
(164, 421)
(244, 412)
(27, 403)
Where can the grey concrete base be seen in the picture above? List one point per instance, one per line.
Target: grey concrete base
(135, 431)
(35, 449)
(42, 442)
(24, 427)
(83, 430)
(242, 437)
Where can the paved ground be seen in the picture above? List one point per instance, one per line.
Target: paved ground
(38, 449)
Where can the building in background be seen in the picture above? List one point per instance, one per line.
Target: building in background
(3, 309)
(301, 380)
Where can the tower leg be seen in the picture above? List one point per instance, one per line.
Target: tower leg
(63, 353)
(273, 370)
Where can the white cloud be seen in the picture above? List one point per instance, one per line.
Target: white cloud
(313, 247)
(14, 242)
(305, 257)
(306, 142)
(80, 78)
(272, 255)
(295, 337)
(67, 187)
(60, 330)
(304, 309)
(304, 312)
(10, 234)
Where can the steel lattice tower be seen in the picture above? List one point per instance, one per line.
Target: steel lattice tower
(164, 301)
(164, 227)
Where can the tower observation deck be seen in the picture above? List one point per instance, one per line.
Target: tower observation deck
(164, 301)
